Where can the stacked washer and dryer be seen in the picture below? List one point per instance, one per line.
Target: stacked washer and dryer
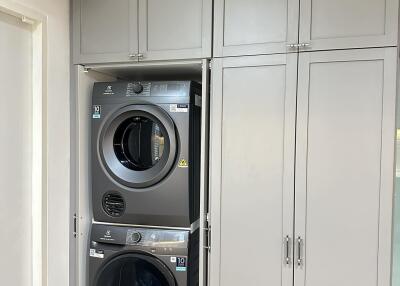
(145, 184)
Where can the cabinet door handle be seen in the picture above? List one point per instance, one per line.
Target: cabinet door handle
(133, 56)
(287, 250)
(292, 46)
(140, 56)
(299, 254)
(305, 45)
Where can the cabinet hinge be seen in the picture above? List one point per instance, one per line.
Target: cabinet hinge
(27, 20)
(75, 218)
(207, 231)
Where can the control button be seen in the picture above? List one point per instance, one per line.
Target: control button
(136, 237)
(137, 88)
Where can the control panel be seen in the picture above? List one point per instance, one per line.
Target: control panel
(146, 238)
(156, 238)
(139, 88)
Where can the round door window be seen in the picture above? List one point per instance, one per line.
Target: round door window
(135, 269)
(137, 145)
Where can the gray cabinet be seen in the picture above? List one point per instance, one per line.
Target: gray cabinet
(257, 27)
(254, 26)
(105, 30)
(342, 24)
(175, 29)
(252, 170)
(344, 167)
(108, 31)
(332, 198)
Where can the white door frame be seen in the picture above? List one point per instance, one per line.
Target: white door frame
(39, 135)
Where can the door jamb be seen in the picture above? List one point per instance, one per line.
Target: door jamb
(38, 22)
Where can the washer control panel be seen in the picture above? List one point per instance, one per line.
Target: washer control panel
(154, 240)
(157, 238)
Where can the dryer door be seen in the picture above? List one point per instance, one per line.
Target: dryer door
(134, 269)
(138, 145)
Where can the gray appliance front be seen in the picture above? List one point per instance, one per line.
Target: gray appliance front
(125, 256)
(164, 204)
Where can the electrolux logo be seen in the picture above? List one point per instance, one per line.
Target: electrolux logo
(108, 90)
(107, 236)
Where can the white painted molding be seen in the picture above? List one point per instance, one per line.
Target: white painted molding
(39, 128)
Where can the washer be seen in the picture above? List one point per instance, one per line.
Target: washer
(146, 152)
(127, 256)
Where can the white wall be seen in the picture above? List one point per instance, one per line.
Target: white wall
(58, 49)
(16, 151)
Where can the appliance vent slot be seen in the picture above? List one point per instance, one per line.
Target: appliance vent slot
(113, 204)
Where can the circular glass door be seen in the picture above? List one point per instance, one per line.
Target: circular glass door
(135, 270)
(138, 145)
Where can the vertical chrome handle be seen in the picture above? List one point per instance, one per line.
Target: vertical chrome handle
(287, 250)
(299, 254)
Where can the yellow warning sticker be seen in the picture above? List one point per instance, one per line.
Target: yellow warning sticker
(183, 163)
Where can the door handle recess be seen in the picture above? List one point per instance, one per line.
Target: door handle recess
(299, 251)
(287, 250)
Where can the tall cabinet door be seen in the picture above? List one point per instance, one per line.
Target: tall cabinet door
(175, 29)
(105, 30)
(342, 24)
(254, 27)
(345, 167)
(252, 170)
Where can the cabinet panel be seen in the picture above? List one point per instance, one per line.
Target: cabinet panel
(344, 162)
(340, 24)
(252, 167)
(105, 30)
(175, 29)
(254, 26)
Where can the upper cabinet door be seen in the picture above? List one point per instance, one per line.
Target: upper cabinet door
(342, 24)
(344, 174)
(254, 27)
(175, 29)
(252, 170)
(105, 30)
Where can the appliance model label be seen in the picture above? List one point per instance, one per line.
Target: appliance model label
(179, 107)
(96, 111)
(96, 253)
(181, 264)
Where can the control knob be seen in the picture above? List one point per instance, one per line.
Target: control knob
(136, 237)
(137, 88)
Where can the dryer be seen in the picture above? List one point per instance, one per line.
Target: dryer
(127, 256)
(146, 152)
